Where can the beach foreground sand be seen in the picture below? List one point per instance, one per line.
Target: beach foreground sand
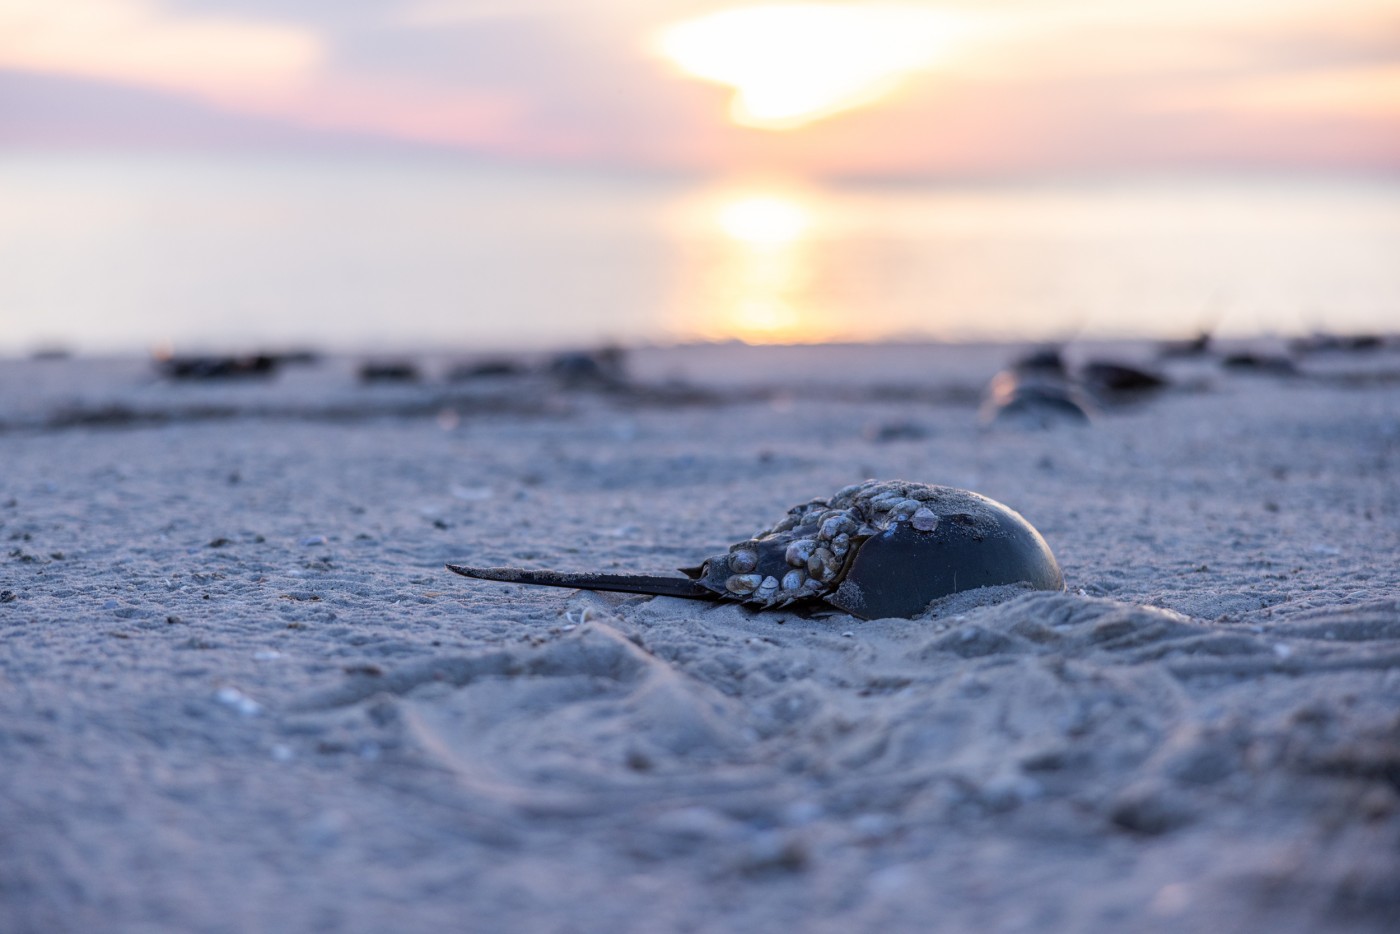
(241, 692)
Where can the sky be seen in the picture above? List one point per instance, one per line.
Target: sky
(871, 90)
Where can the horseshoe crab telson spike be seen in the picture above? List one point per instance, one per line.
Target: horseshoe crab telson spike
(620, 583)
(875, 549)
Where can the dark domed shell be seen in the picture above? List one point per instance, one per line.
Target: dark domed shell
(902, 570)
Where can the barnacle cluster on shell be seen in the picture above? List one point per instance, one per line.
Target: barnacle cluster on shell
(807, 553)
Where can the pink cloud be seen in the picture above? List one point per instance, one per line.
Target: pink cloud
(1083, 86)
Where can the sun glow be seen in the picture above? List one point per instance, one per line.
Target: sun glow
(790, 65)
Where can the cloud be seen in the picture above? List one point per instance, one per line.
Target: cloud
(1031, 85)
(137, 42)
(261, 75)
(790, 65)
(57, 111)
(459, 12)
(1369, 91)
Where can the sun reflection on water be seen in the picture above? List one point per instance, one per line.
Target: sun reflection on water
(756, 278)
(764, 220)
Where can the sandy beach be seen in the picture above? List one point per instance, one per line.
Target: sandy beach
(239, 691)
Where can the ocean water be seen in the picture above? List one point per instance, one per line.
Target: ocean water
(124, 253)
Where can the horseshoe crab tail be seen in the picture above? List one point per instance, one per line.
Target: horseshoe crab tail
(621, 583)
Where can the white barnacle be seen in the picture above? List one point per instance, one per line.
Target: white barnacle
(743, 560)
(840, 545)
(767, 589)
(822, 564)
(787, 523)
(846, 492)
(837, 525)
(882, 504)
(743, 584)
(799, 552)
(904, 509)
(924, 519)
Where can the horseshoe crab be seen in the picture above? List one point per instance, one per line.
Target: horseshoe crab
(882, 548)
(1036, 391)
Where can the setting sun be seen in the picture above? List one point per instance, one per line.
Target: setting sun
(790, 65)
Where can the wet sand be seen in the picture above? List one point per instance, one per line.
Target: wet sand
(239, 691)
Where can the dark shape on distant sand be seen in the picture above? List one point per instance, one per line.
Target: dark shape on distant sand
(1197, 346)
(1268, 364)
(604, 368)
(490, 368)
(1035, 391)
(875, 549)
(300, 357)
(218, 367)
(1110, 381)
(897, 430)
(1045, 361)
(1336, 343)
(389, 371)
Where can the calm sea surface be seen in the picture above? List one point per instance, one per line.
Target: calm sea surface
(105, 254)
